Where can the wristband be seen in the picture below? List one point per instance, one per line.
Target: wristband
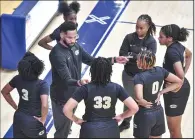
(114, 59)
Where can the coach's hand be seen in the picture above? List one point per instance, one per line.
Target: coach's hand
(83, 82)
(122, 59)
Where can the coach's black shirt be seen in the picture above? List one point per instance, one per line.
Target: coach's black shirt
(100, 101)
(66, 70)
(152, 81)
(133, 45)
(30, 92)
(174, 53)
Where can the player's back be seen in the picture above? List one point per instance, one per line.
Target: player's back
(29, 92)
(151, 80)
(100, 101)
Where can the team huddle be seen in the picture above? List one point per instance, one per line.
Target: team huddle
(143, 84)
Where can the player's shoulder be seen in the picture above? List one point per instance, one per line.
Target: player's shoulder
(175, 47)
(150, 39)
(158, 68)
(113, 84)
(41, 82)
(17, 77)
(130, 35)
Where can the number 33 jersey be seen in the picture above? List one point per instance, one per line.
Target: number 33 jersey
(30, 92)
(100, 100)
(152, 81)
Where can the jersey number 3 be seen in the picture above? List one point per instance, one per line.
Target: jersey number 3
(25, 94)
(155, 87)
(98, 100)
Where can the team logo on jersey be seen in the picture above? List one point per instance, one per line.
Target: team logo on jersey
(135, 125)
(42, 132)
(76, 52)
(132, 45)
(173, 106)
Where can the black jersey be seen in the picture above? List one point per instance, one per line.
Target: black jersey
(174, 53)
(30, 92)
(100, 101)
(152, 81)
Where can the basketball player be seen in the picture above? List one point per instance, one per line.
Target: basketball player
(31, 112)
(66, 60)
(133, 43)
(177, 60)
(69, 14)
(149, 120)
(100, 96)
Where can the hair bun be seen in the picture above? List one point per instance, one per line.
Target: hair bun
(75, 6)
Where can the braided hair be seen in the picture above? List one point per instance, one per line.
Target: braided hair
(152, 28)
(66, 9)
(30, 67)
(174, 31)
(101, 71)
(147, 59)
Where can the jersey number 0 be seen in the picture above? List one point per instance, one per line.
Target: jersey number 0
(25, 94)
(155, 87)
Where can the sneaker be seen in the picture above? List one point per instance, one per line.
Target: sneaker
(124, 125)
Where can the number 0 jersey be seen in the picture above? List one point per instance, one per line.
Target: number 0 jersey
(30, 92)
(100, 101)
(152, 81)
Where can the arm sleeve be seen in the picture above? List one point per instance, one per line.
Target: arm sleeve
(122, 94)
(80, 94)
(138, 80)
(55, 34)
(44, 88)
(13, 82)
(86, 58)
(59, 63)
(124, 47)
(165, 73)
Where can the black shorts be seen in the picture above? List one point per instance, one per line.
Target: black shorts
(149, 122)
(100, 129)
(175, 103)
(26, 126)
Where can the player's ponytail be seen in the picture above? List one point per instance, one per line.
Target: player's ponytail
(175, 32)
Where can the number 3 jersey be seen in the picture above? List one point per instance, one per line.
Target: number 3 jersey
(30, 92)
(100, 101)
(152, 81)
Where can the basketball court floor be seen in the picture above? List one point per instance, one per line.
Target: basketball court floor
(106, 34)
